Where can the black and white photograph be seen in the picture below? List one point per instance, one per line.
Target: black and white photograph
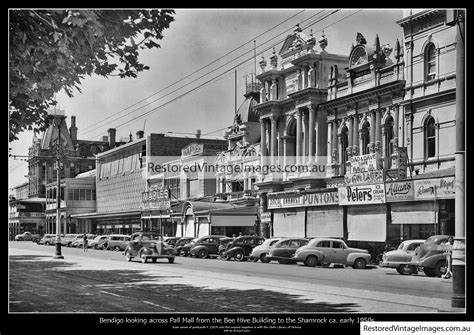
(243, 170)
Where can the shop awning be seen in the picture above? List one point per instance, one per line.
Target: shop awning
(106, 215)
(233, 220)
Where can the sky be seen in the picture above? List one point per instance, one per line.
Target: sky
(191, 81)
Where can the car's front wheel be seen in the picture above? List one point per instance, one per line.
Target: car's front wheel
(202, 253)
(440, 268)
(405, 269)
(264, 258)
(311, 261)
(239, 256)
(359, 263)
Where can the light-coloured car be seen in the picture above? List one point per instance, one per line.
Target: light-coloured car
(48, 239)
(284, 250)
(320, 251)
(400, 258)
(68, 238)
(260, 252)
(78, 242)
(97, 242)
(117, 242)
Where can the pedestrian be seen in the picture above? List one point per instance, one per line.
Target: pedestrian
(240, 233)
(448, 247)
(84, 244)
(233, 235)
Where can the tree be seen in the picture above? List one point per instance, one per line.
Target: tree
(52, 50)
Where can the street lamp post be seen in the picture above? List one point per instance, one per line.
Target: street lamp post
(58, 121)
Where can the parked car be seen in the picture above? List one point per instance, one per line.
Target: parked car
(172, 240)
(48, 239)
(148, 245)
(27, 236)
(185, 249)
(68, 238)
(78, 242)
(97, 242)
(283, 250)
(223, 244)
(400, 258)
(260, 252)
(117, 242)
(430, 256)
(206, 246)
(241, 248)
(325, 251)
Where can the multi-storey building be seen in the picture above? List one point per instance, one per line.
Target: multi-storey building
(77, 156)
(294, 134)
(25, 214)
(184, 186)
(78, 195)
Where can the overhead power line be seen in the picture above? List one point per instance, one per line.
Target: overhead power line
(207, 65)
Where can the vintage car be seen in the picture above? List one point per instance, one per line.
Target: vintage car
(206, 246)
(320, 251)
(27, 236)
(172, 240)
(78, 242)
(68, 238)
(400, 258)
(181, 243)
(283, 250)
(241, 248)
(223, 244)
(187, 247)
(48, 239)
(260, 251)
(148, 245)
(430, 256)
(97, 242)
(116, 242)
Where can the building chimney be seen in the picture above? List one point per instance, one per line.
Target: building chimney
(111, 132)
(140, 134)
(73, 129)
(198, 134)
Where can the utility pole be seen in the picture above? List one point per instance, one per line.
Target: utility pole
(58, 122)
(459, 247)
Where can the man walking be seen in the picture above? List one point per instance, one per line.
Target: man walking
(84, 244)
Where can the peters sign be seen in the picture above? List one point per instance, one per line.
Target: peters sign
(362, 194)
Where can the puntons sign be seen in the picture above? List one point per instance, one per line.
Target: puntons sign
(282, 200)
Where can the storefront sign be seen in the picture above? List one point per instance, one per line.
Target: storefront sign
(402, 162)
(399, 191)
(335, 183)
(439, 188)
(362, 194)
(192, 149)
(370, 177)
(156, 198)
(266, 217)
(302, 200)
(364, 163)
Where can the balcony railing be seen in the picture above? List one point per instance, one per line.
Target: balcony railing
(232, 196)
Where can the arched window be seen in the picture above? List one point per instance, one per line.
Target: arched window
(430, 62)
(430, 137)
